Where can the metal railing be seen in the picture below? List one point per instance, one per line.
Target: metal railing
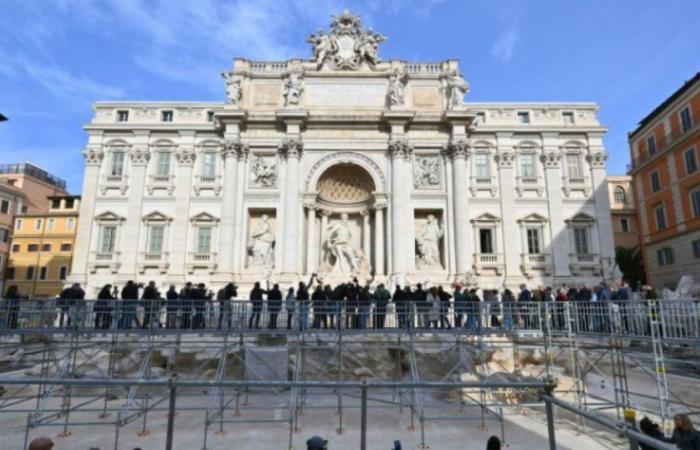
(677, 320)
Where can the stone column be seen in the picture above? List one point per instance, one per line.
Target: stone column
(559, 240)
(185, 157)
(325, 214)
(512, 246)
(291, 150)
(596, 160)
(229, 152)
(459, 153)
(139, 156)
(239, 251)
(379, 239)
(311, 255)
(93, 159)
(401, 154)
(366, 238)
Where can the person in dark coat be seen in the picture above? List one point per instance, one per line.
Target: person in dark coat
(150, 301)
(524, 300)
(171, 307)
(652, 430)
(185, 306)
(473, 310)
(64, 303)
(460, 301)
(224, 296)
(364, 305)
(332, 307)
(419, 299)
(274, 304)
(493, 443)
(199, 304)
(256, 298)
(104, 308)
(318, 301)
(130, 296)
(444, 307)
(381, 300)
(685, 436)
(13, 306)
(352, 292)
(303, 298)
(400, 306)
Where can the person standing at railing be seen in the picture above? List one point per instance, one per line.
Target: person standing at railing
(685, 436)
(303, 302)
(256, 298)
(508, 303)
(319, 303)
(151, 302)
(444, 307)
(420, 302)
(185, 306)
(274, 304)
(171, 307)
(400, 304)
(432, 301)
(336, 304)
(290, 304)
(13, 301)
(224, 296)
(583, 298)
(473, 310)
(460, 305)
(381, 298)
(65, 303)
(524, 298)
(364, 302)
(130, 296)
(103, 308)
(200, 297)
(330, 306)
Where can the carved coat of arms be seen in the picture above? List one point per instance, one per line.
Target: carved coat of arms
(347, 45)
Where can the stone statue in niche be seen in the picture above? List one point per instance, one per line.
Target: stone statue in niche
(456, 89)
(397, 88)
(293, 87)
(263, 174)
(261, 245)
(233, 88)
(427, 172)
(428, 243)
(343, 257)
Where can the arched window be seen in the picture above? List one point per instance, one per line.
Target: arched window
(619, 194)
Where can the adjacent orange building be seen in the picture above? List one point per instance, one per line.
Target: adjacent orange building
(666, 176)
(623, 211)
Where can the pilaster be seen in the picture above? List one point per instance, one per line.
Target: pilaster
(139, 156)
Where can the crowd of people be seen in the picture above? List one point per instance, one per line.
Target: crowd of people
(317, 305)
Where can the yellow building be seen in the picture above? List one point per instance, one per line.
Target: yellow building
(41, 249)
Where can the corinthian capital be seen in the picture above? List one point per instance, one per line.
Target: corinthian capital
(93, 156)
(290, 148)
(185, 156)
(504, 159)
(457, 149)
(551, 160)
(234, 148)
(139, 156)
(400, 149)
(597, 159)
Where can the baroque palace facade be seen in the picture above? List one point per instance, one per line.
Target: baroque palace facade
(344, 165)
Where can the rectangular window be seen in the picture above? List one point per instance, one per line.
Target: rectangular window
(65, 247)
(523, 117)
(568, 117)
(573, 167)
(163, 164)
(651, 145)
(30, 273)
(486, 241)
(660, 214)
(4, 235)
(33, 248)
(686, 120)
(10, 273)
(18, 224)
(527, 165)
(109, 239)
(696, 248)
(480, 118)
(481, 165)
(51, 224)
(665, 256)
(533, 241)
(691, 161)
(203, 239)
(38, 224)
(5, 207)
(43, 273)
(210, 116)
(62, 273)
(166, 116)
(122, 116)
(56, 203)
(16, 248)
(655, 181)
(209, 164)
(695, 201)
(45, 247)
(581, 241)
(624, 226)
(155, 239)
(117, 163)
(70, 223)
(69, 203)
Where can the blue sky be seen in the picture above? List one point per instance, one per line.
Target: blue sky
(59, 56)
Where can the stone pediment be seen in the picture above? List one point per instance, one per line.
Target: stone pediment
(486, 217)
(204, 217)
(534, 217)
(581, 218)
(156, 216)
(109, 216)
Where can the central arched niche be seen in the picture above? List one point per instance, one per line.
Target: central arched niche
(345, 184)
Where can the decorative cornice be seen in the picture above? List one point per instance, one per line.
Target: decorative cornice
(290, 147)
(400, 149)
(93, 156)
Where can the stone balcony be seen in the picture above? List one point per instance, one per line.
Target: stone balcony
(106, 260)
(153, 260)
(116, 182)
(207, 261)
(163, 182)
(483, 184)
(529, 183)
(488, 262)
(570, 184)
(208, 182)
(581, 262)
(536, 262)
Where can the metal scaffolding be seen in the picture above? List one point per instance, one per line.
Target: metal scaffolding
(146, 372)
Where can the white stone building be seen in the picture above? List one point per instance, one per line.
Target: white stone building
(344, 164)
